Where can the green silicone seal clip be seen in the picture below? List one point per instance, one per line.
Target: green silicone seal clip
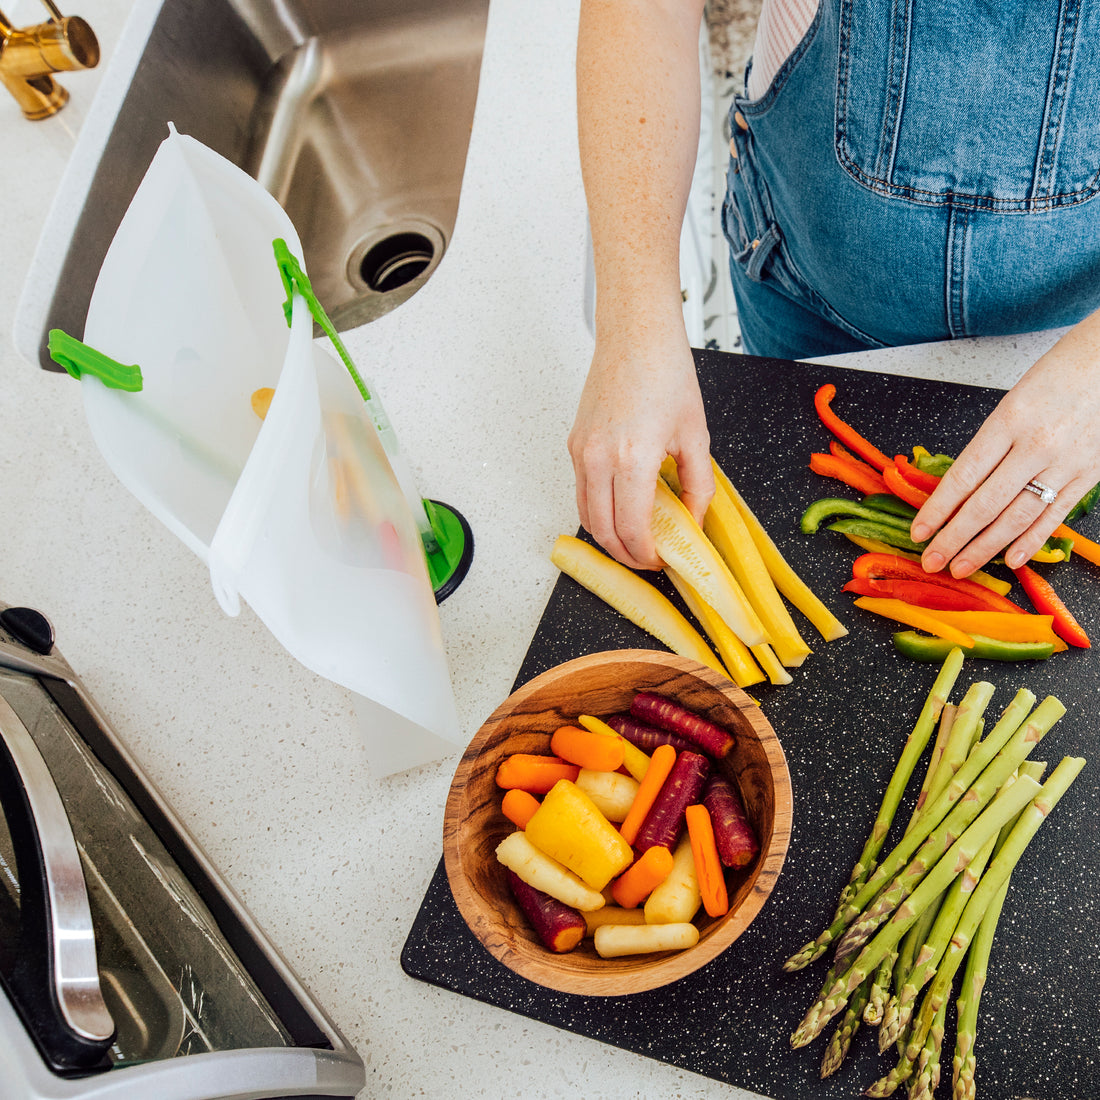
(80, 359)
(448, 540)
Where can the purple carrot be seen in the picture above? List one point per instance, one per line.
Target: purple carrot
(558, 926)
(684, 786)
(733, 835)
(646, 738)
(656, 710)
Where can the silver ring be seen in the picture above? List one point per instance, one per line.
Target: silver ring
(1044, 492)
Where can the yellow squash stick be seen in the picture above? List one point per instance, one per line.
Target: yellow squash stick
(737, 656)
(729, 535)
(682, 546)
(633, 597)
(786, 579)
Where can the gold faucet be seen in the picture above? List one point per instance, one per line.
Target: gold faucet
(29, 55)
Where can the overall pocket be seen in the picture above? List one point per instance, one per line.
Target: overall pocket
(984, 106)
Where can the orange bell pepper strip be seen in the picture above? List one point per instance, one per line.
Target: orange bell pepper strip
(891, 566)
(917, 617)
(1004, 626)
(918, 478)
(845, 432)
(1047, 602)
(897, 485)
(1088, 549)
(852, 471)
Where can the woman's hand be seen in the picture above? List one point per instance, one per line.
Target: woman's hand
(637, 406)
(1045, 429)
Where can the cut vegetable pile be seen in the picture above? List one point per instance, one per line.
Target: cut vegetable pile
(910, 922)
(982, 614)
(731, 577)
(633, 833)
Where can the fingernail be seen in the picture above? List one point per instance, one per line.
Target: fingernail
(932, 562)
(1014, 559)
(920, 531)
(960, 569)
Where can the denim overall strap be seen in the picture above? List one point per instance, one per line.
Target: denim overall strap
(922, 171)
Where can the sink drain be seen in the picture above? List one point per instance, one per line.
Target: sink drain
(402, 256)
(395, 261)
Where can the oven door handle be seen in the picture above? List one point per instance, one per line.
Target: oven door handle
(54, 982)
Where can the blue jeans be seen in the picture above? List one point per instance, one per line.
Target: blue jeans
(917, 173)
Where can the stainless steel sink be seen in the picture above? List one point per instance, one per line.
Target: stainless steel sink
(354, 114)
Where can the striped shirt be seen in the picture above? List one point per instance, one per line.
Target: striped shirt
(782, 25)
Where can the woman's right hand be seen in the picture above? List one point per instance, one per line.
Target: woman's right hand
(641, 402)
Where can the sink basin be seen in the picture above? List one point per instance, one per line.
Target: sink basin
(354, 114)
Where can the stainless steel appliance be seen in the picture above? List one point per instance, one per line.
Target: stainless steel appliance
(128, 969)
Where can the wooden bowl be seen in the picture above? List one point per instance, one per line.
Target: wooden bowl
(603, 684)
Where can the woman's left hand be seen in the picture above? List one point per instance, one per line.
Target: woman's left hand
(1046, 430)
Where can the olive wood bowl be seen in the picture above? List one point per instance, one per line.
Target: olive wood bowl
(603, 684)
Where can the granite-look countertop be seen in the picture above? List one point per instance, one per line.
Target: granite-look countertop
(480, 372)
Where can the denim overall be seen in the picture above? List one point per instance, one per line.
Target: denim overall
(919, 170)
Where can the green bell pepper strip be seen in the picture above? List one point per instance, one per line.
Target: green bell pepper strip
(880, 532)
(887, 502)
(822, 509)
(922, 647)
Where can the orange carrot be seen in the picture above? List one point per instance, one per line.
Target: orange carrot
(642, 877)
(518, 806)
(660, 764)
(708, 867)
(587, 749)
(537, 774)
(1088, 549)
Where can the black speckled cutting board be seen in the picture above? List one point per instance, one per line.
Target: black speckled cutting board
(842, 724)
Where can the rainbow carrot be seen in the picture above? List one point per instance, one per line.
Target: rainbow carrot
(708, 867)
(534, 773)
(660, 764)
(642, 877)
(518, 806)
(588, 749)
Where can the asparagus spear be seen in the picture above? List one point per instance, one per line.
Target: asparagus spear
(841, 1041)
(973, 981)
(993, 759)
(1011, 749)
(1008, 802)
(983, 898)
(943, 733)
(911, 752)
(930, 953)
(880, 990)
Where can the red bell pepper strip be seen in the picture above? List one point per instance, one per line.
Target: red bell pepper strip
(861, 477)
(931, 597)
(916, 477)
(891, 566)
(845, 432)
(897, 485)
(1047, 602)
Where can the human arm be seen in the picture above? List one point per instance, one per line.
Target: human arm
(1047, 427)
(638, 100)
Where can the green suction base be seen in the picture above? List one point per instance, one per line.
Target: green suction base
(448, 566)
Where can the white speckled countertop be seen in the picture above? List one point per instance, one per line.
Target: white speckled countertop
(480, 373)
